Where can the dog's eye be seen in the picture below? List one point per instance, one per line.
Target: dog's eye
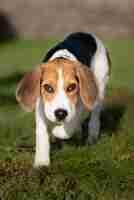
(72, 87)
(48, 88)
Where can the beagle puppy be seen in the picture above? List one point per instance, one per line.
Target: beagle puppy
(71, 80)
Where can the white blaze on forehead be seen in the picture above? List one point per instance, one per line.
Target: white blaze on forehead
(60, 80)
(61, 97)
(61, 100)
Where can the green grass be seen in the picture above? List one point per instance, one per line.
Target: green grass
(104, 171)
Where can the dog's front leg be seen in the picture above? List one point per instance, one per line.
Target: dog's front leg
(42, 157)
(94, 124)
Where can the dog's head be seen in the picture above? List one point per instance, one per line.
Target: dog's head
(59, 83)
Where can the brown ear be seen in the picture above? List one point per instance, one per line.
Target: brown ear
(29, 89)
(87, 84)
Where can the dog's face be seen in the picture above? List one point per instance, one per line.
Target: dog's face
(59, 83)
(59, 90)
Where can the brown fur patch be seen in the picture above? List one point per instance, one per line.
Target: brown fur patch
(49, 76)
(88, 86)
(69, 74)
(29, 89)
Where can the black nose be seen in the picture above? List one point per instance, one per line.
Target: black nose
(60, 114)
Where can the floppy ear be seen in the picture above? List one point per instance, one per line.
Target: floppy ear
(87, 85)
(29, 89)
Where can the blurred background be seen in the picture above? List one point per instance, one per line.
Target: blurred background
(43, 18)
(105, 171)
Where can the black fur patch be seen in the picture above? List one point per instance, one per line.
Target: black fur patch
(82, 45)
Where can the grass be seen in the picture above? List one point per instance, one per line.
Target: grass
(104, 171)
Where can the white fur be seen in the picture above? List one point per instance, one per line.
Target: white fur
(64, 53)
(99, 67)
(63, 131)
(42, 139)
(60, 132)
(66, 129)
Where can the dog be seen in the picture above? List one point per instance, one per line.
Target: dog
(69, 81)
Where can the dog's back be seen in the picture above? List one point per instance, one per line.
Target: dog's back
(82, 45)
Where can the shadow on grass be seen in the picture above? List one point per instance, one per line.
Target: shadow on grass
(115, 107)
(5, 99)
(12, 79)
(111, 117)
(8, 87)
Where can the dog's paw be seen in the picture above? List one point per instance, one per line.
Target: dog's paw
(38, 164)
(41, 162)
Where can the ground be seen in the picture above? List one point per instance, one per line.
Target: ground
(104, 171)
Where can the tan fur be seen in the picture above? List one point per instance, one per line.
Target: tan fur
(69, 75)
(31, 86)
(29, 89)
(88, 86)
(49, 76)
